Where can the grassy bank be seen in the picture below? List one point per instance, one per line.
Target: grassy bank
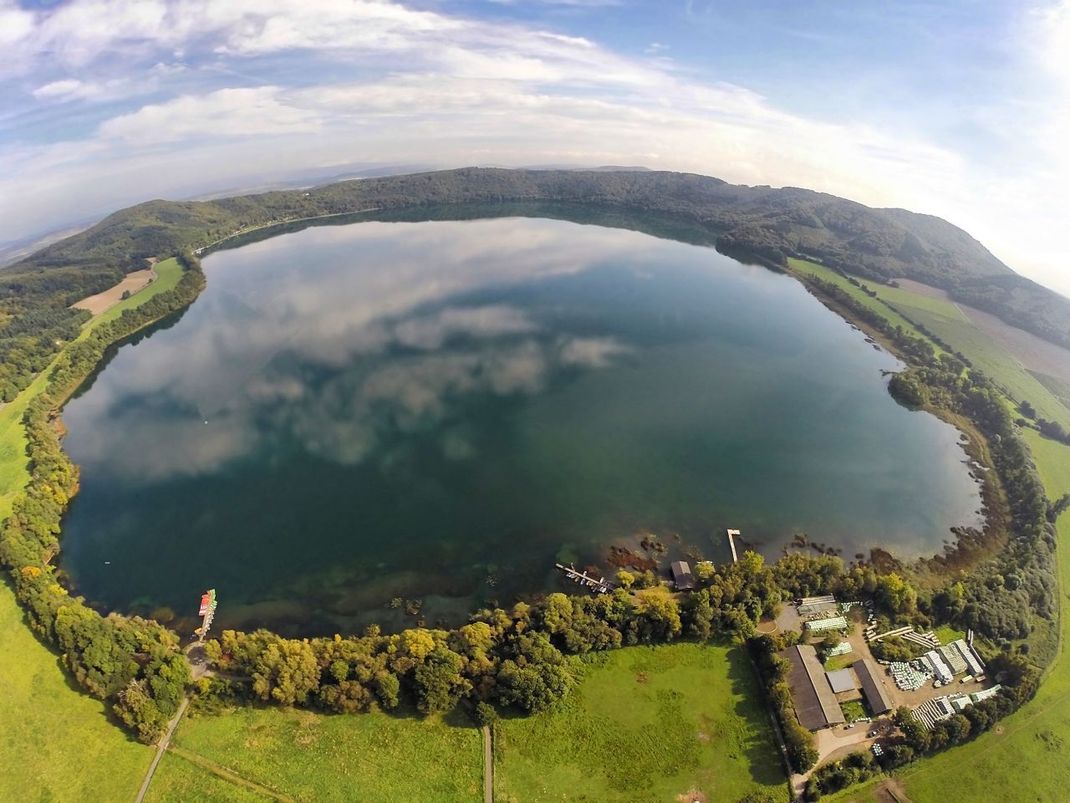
(56, 743)
(647, 723)
(308, 756)
(805, 268)
(947, 322)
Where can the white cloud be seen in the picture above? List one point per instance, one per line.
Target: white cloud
(68, 89)
(16, 24)
(262, 111)
(1053, 33)
(58, 89)
(422, 86)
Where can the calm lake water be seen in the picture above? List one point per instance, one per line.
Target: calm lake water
(440, 410)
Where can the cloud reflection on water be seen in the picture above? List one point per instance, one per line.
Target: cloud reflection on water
(345, 355)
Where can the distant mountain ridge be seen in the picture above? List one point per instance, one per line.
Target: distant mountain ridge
(762, 222)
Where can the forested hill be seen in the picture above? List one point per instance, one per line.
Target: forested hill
(761, 222)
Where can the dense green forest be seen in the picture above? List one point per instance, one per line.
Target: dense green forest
(755, 222)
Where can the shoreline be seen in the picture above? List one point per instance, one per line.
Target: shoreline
(994, 511)
(993, 499)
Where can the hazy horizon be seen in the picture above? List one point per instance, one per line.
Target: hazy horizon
(957, 110)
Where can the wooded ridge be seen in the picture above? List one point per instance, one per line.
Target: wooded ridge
(752, 222)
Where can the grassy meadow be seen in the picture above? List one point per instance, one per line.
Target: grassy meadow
(317, 757)
(646, 723)
(178, 780)
(56, 741)
(801, 266)
(66, 747)
(988, 355)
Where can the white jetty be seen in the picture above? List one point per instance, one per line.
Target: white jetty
(732, 535)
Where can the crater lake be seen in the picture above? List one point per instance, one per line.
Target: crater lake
(395, 422)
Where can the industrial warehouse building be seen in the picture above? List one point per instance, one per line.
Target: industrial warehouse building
(815, 704)
(872, 687)
(841, 681)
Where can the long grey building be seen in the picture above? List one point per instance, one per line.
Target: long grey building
(815, 704)
(873, 686)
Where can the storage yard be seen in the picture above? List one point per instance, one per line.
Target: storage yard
(939, 683)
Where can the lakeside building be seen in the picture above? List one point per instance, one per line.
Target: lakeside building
(681, 576)
(815, 704)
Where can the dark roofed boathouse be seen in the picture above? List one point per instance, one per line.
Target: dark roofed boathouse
(681, 576)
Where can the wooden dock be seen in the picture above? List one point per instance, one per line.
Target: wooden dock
(732, 535)
(599, 586)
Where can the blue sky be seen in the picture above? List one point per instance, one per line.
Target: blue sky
(958, 109)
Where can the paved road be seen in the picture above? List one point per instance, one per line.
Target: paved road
(160, 749)
(488, 766)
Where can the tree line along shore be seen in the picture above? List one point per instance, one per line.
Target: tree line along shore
(761, 223)
(518, 659)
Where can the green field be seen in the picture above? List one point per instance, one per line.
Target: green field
(168, 272)
(14, 465)
(307, 756)
(990, 357)
(14, 473)
(177, 781)
(945, 320)
(647, 723)
(56, 741)
(829, 275)
(1059, 388)
(911, 302)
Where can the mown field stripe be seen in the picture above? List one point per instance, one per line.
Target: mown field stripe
(226, 774)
